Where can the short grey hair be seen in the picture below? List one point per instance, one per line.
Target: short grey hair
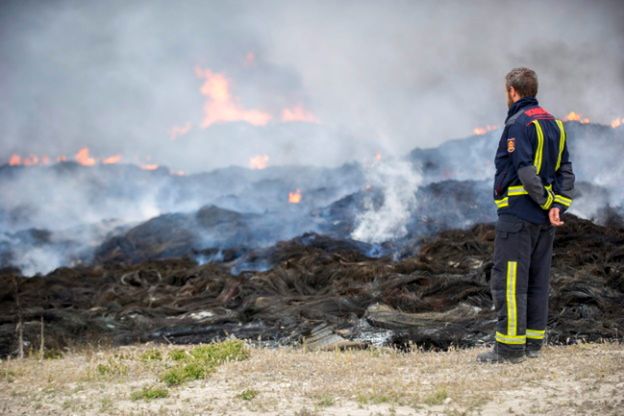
(523, 80)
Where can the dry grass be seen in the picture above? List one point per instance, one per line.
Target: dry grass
(574, 380)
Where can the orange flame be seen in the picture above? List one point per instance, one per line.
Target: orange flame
(378, 156)
(220, 106)
(298, 113)
(31, 160)
(149, 166)
(479, 131)
(15, 160)
(294, 197)
(617, 122)
(572, 116)
(84, 158)
(259, 161)
(177, 131)
(112, 160)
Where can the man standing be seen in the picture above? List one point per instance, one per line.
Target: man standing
(533, 186)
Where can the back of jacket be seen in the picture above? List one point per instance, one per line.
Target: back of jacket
(533, 168)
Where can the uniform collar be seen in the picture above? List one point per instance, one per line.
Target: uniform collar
(520, 104)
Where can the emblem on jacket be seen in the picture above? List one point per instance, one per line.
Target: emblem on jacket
(511, 144)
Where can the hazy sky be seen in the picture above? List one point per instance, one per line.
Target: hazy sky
(118, 76)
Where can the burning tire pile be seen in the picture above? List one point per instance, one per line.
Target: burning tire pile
(436, 298)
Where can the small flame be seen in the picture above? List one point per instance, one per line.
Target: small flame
(259, 161)
(177, 131)
(480, 131)
(84, 158)
(220, 106)
(378, 156)
(15, 160)
(573, 116)
(615, 123)
(298, 113)
(294, 197)
(149, 166)
(112, 160)
(31, 160)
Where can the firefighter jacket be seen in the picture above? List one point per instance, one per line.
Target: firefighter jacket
(533, 168)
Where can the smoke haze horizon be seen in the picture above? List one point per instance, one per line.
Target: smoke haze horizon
(315, 84)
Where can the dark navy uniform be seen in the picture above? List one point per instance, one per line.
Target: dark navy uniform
(533, 174)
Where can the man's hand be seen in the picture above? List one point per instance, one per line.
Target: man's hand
(553, 215)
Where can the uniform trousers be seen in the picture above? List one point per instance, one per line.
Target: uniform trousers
(520, 282)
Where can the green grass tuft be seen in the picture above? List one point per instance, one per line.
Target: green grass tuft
(112, 368)
(151, 355)
(186, 372)
(218, 353)
(202, 360)
(149, 393)
(325, 401)
(437, 397)
(248, 394)
(178, 354)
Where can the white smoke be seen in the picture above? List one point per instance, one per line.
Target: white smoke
(398, 182)
(118, 75)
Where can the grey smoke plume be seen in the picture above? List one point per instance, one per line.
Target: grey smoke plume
(118, 76)
(383, 77)
(398, 181)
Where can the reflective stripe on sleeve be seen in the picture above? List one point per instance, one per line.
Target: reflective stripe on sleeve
(549, 200)
(560, 199)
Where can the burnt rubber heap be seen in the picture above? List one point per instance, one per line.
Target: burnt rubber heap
(437, 298)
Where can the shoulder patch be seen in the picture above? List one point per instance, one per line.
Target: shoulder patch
(511, 144)
(537, 111)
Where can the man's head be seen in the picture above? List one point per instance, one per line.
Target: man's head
(519, 83)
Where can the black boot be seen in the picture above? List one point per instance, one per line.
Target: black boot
(496, 355)
(532, 350)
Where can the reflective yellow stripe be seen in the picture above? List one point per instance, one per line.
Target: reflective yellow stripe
(507, 339)
(560, 199)
(516, 190)
(537, 161)
(562, 140)
(512, 310)
(502, 203)
(535, 334)
(549, 200)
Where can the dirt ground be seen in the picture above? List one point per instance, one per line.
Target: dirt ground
(573, 380)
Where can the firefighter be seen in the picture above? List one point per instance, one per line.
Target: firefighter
(533, 186)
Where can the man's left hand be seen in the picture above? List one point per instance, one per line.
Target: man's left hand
(553, 215)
